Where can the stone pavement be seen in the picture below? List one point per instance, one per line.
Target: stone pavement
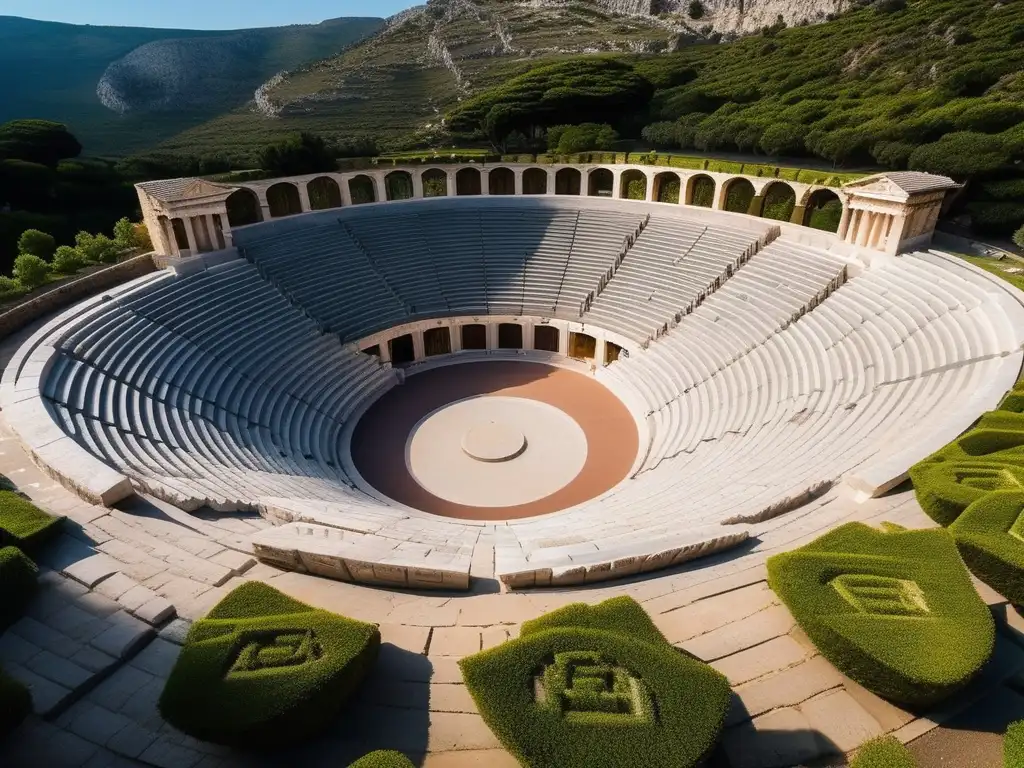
(120, 587)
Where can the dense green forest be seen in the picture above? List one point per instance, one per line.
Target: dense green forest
(933, 85)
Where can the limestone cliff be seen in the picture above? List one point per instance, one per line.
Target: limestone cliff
(736, 16)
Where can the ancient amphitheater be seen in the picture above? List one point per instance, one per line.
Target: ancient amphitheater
(447, 414)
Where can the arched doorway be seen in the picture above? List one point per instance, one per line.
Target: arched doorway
(474, 336)
(779, 201)
(535, 181)
(823, 211)
(402, 349)
(398, 185)
(666, 187)
(633, 185)
(582, 346)
(568, 181)
(738, 195)
(700, 191)
(501, 181)
(437, 341)
(243, 208)
(324, 193)
(600, 183)
(510, 336)
(283, 199)
(362, 189)
(435, 183)
(467, 182)
(545, 338)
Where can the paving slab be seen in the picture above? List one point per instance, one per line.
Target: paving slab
(779, 739)
(92, 570)
(784, 689)
(841, 719)
(740, 635)
(773, 656)
(454, 641)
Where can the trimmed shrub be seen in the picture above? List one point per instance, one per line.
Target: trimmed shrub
(15, 703)
(382, 759)
(1018, 237)
(263, 669)
(37, 243)
(894, 610)
(885, 752)
(23, 524)
(990, 537)
(586, 686)
(30, 270)
(67, 260)
(17, 584)
(1013, 745)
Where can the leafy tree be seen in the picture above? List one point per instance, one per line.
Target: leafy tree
(124, 233)
(992, 117)
(783, 139)
(1018, 237)
(569, 139)
(961, 155)
(663, 135)
(37, 243)
(96, 248)
(298, 154)
(67, 260)
(844, 146)
(30, 270)
(37, 141)
(893, 154)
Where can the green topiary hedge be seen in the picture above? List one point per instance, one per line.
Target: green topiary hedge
(990, 537)
(382, 759)
(587, 686)
(15, 703)
(885, 752)
(23, 524)
(895, 610)
(1013, 745)
(17, 584)
(264, 669)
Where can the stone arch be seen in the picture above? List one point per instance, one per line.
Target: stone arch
(535, 181)
(568, 181)
(823, 210)
(600, 182)
(737, 194)
(501, 181)
(324, 193)
(700, 191)
(435, 183)
(243, 208)
(362, 189)
(667, 186)
(779, 201)
(633, 185)
(283, 199)
(467, 182)
(398, 185)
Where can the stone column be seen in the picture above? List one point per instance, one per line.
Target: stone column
(190, 233)
(304, 203)
(417, 183)
(527, 335)
(385, 351)
(164, 243)
(756, 207)
(563, 340)
(600, 349)
(485, 181)
(518, 173)
(225, 229)
(877, 228)
(616, 184)
(380, 188)
(797, 217)
(892, 241)
(649, 188)
(492, 335)
(346, 191)
(455, 333)
(211, 228)
(552, 176)
(452, 187)
(264, 204)
(418, 347)
(844, 223)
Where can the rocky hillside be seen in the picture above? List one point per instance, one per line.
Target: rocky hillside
(429, 58)
(121, 88)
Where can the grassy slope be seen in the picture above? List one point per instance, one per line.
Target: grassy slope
(50, 70)
(392, 86)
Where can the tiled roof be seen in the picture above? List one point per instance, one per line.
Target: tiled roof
(168, 190)
(915, 181)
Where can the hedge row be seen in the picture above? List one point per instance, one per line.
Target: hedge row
(382, 759)
(264, 669)
(975, 486)
(885, 752)
(17, 584)
(23, 524)
(587, 686)
(894, 610)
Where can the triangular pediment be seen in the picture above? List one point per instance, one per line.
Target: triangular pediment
(880, 185)
(200, 188)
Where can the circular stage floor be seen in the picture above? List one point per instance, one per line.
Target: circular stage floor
(495, 440)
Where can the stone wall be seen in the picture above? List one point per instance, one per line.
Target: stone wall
(21, 315)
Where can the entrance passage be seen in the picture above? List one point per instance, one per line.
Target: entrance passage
(474, 336)
(611, 352)
(582, 346)
(437, 341)
(545, 338)
(402, 350)
(510, 336)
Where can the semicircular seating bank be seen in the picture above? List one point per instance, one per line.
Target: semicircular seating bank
(761, 367)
